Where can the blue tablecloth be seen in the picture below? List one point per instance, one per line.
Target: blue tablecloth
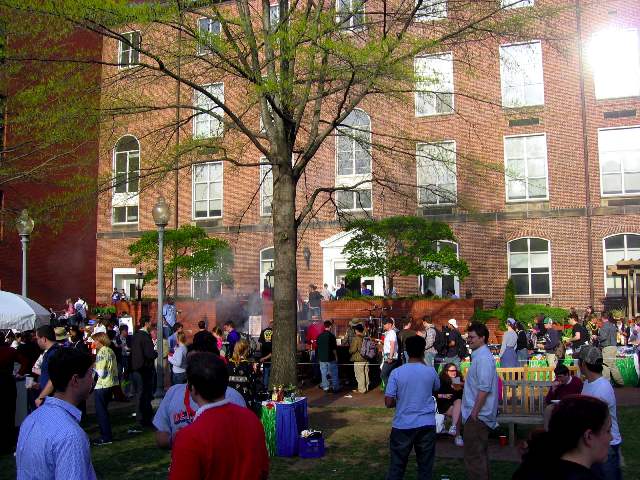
(291, 419)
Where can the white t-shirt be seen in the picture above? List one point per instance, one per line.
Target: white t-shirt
(602, 389)
(389, 337)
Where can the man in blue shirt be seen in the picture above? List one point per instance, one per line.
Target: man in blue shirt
(169, 315)
(479, 403)
(46, 339)
(51, 444)
(410, 391)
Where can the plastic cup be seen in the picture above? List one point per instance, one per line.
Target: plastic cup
(503, 440)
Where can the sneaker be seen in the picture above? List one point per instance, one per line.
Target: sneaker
(453, 431)
(100, 442)
(458, 441)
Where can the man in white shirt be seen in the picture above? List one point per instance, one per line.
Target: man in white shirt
(389, 350)
(591, 366)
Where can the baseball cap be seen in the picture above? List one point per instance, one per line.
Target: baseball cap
(453, 322)
(511, 321)
(548, 321)
(590, 354)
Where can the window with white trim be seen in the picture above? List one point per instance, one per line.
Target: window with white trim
(207, 27)
(267, 259)
(434, 84)
(521, 75)
(350, 13)
(530, 266)
(445, 283)
(615, 60)
(274, 15)
(207, 125)
(206, 286)
(207, 190)
(516, 3)
(353, 161)
(616, 248)
(266, 189)
(436, 173)
(129, 50)
(431, 10)
(126, 180)
(525, 158)
(619, 151)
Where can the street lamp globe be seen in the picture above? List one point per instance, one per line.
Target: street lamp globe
(24, 223)
(161, 212)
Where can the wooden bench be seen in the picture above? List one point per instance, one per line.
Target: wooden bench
(522, 404)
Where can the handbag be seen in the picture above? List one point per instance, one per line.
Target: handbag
(439, 417)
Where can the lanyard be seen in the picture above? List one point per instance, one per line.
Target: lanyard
(187, 404)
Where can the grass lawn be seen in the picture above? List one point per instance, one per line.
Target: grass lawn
(356, 441)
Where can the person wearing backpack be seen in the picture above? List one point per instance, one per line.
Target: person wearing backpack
(454, 345)
(360, 363)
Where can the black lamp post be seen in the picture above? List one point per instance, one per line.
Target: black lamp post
(139, 283)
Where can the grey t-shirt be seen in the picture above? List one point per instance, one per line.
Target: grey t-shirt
(172, 414)
(607, 335)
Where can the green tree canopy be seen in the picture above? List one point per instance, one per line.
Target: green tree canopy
(401, 246)
(189, 252)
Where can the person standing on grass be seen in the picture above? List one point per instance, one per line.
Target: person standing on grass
(142, 359)
(107, 371)
(479, 403)
(328, 358)
(591, 366)
(608, 342)
(551, 341)
(51, 444)
(178, 361)
(389, 350)
(410, 392)
(265, 341)
(46, 339)
(360, 364)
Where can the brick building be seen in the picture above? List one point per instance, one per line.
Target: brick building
(538, 167)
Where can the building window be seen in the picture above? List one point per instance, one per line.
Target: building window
(615, 60)
(350, 13)
(206, 286)
(207, 27)
(274, 15)
(436, 173)
(434, 84)
(530, 266)
(525, 159)
(616, 248)
(266, 270)
(353, 161)
(516, 3)
(207, 125)
(521, 75)
(619, 151)
(126, 180)
(129, 50)
(266, 189)
(207, 190)
(446, 283)
(431, 10)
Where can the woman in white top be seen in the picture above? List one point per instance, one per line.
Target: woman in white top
(178, 361)
(508, 356)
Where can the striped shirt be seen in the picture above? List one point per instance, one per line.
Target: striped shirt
(52, 446)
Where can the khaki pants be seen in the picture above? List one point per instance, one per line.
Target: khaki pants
(476, 449)
(361, 370)
(610, 369)
(552, 360)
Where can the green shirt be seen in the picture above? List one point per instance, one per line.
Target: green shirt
(106, 368)
(327, 347)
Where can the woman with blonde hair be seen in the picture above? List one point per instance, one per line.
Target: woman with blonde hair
(178, 360)
(242, 374)
(107, 372)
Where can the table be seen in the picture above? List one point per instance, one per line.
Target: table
(283, 422)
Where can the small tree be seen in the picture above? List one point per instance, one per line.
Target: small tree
(189, 252)
(509, 300)
(401, 246)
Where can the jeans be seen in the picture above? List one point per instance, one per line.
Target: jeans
(386, 370)
(102, 397)
(143, 387)
(610, 469)
(429, 358)
(177, 378)
(476, 449)
(523, 357)
(402, 441)
(330, 368)
(266, 375)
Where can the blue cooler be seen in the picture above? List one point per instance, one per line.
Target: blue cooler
(311, 447)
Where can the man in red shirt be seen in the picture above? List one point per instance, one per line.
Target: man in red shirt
(564, 385)
(224, 441)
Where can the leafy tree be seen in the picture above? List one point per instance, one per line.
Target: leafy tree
(189, 252)
(401, 246)
(509, 308)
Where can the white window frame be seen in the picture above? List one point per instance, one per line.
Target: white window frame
(632, 73)
(530, 295)
(350, 26)
(208, 183)
(432, 91)
(216, 126)
(131, 51)
(263, 271)
(274, 18)
(604, 253)
(526, 178)
(442, 145)
(125, 199)
(266, 175)
(354, 192)
(439, 13)
(349, 180)
(622, 172)
(193, 288)
(537, 45)
(200, 48)
(511, 4)
(438, 280)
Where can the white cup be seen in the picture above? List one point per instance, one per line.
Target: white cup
(28, 381)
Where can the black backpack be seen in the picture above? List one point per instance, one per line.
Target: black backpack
(440, 343)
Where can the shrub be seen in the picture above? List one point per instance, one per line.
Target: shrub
(509, 307)
(524, 314)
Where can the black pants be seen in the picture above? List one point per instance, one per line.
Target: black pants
(386, 370)
(102, 397)
(143, 386)
(7, 413)
(401, 442)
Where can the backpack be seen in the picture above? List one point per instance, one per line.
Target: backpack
(440, 343)
(531, 341)
(560, 350)
(368, 349)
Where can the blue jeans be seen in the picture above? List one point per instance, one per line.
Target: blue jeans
(401, 442)
(266, 375)
(523, 357)
(177, 378)
(610, 469)
(102, 397)
(330, 368)
(429, 358)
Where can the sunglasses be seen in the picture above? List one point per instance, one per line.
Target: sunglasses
(452, 370)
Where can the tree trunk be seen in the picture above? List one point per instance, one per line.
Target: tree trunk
(285, 277)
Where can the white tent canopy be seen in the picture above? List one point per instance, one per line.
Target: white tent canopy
(21, 313)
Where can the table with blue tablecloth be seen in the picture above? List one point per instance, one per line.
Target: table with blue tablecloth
(283, 422)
